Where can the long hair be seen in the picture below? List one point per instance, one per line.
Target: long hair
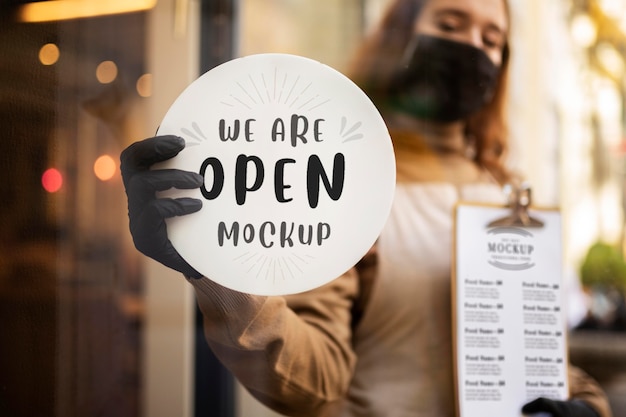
(379, 57)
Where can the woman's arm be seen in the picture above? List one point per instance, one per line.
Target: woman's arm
(584, 388)
(292, 353)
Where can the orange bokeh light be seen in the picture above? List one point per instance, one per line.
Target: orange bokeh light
(105, 167)
(144, 85)
(106, 72)
(49, 54)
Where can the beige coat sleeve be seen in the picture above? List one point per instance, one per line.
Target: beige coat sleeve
(293, 354)
(583, 387)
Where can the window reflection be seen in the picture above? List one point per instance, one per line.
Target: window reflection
(74, 93)
(70, 290)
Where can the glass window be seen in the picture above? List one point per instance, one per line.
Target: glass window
(92, 327)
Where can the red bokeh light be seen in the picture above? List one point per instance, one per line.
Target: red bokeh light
(52, 180)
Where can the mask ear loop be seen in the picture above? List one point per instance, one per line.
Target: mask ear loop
(400, 71)
(409, 52)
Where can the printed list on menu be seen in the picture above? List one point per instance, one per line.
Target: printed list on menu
(509, 323)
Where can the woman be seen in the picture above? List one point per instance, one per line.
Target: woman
(377, 340)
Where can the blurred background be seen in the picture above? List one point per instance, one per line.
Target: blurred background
(90, 327)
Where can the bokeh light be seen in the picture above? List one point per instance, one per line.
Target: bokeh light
(144, 85)
(52, 180)
(611, 59)
(104, 167)
(49, 54)
(584, 30)
(106, 72)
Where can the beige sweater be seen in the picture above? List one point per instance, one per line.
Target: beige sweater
(376, 341)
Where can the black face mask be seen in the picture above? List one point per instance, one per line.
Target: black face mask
(443, 80)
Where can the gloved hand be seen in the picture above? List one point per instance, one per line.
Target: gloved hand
(571, 408)
(146, 212)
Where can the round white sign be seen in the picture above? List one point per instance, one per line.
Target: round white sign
(299, 173)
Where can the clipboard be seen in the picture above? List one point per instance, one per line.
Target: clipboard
(509, 324)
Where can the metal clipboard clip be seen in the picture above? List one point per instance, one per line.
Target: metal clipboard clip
(519, 202)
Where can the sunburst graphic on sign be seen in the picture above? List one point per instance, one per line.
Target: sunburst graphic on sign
(287, 89)
(193, 136)
(351, 133)
(276, 268)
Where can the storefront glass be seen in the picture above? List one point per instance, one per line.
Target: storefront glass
(90, 327)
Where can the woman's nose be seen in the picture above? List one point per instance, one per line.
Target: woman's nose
(474, 37)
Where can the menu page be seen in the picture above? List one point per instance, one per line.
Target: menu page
(509, 321)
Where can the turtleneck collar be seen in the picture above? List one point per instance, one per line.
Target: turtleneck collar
(440, 138)
(427, 152)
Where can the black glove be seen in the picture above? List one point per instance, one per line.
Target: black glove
(571, 408)
(146, 212)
